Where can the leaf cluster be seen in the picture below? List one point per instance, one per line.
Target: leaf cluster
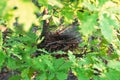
(99, 28)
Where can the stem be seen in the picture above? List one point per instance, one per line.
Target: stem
(45, 24)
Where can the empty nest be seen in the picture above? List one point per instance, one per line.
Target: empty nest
(66, 39)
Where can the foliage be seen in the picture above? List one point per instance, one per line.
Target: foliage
(99, 28)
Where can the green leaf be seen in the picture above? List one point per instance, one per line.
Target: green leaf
(65, 66)
(2, 7)
(114, 65)
(83, 16)
(71, 57)
(58, 62)
(43, 2)
(81, 73)
(108, 31)
(45, 17)
(112, 74)
(88, 25)
(91, 7)
(106, 28)
(56, 20)
(11, 63)
(1, 40)
(26, 0)
(17, 56)
(37, 62)
(41, 76)
(55, 3)
(2, 58)
(68, 14)
(111, 21)
(24, 12)
(24, 73)
(15, 77)
(100, 67)
(61, 75)
(101, 2)
(51, 76)
(48, 61)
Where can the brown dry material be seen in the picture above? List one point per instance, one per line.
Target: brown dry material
(55, 42)
(66, 39)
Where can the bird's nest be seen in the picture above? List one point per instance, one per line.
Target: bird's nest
(59, 41)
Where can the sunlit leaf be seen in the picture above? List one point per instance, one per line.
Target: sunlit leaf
(91, 7)
(46, 17)
(101, 2)
(56, 20)
(55, 3)
(114, 65)
(24, 12)
(19, 49)
(88, 25)
(2, 7)
(111, 8)
(117, 1)
(106, 28)
(71, 57)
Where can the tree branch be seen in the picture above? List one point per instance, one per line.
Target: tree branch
(45, 24)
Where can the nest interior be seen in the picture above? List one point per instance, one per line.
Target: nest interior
(66, 40)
